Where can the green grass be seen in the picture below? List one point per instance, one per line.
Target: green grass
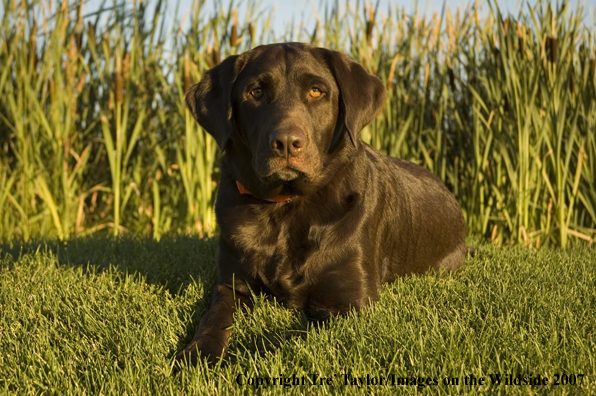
(98, 316)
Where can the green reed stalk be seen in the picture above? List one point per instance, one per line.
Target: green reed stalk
(95, 136)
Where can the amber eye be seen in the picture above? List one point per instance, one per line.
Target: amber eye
(315, 92)
(257, 93)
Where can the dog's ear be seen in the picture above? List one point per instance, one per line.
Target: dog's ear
(361, 94)
(210, 101)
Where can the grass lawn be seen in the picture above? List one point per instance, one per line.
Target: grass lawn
(96, 316)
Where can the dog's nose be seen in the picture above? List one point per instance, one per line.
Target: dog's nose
(288, 143)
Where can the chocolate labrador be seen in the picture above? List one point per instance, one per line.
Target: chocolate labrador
(307, 211)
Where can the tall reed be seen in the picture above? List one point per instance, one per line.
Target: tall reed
(95, 136)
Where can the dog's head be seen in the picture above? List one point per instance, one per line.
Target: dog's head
(284, 109)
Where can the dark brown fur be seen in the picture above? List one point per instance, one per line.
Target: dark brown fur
(356, 218)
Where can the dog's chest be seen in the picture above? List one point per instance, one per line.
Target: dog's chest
(283, 253)
(277, 255)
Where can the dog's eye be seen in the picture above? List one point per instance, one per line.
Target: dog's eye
(315, 92)
(257, 93)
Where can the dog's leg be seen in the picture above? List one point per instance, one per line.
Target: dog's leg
(212, 338)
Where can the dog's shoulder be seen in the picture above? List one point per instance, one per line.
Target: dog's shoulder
(398, 170)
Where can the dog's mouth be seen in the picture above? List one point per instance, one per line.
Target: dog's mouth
(286, 174)
(281, 171)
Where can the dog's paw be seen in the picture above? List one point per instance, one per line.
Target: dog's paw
(205, 347)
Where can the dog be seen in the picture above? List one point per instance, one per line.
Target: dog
(307, 211)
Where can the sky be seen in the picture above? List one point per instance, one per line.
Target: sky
(285, 10)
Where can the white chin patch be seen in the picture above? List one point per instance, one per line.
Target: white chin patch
(286, 174)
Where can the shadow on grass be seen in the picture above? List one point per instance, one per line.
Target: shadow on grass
(172, 263)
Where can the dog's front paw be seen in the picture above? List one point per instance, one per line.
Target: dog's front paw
(205, 346)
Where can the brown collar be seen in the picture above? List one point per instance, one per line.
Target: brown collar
(278, 198)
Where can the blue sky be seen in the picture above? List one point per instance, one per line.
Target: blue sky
(303, 10)
(284, 10)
